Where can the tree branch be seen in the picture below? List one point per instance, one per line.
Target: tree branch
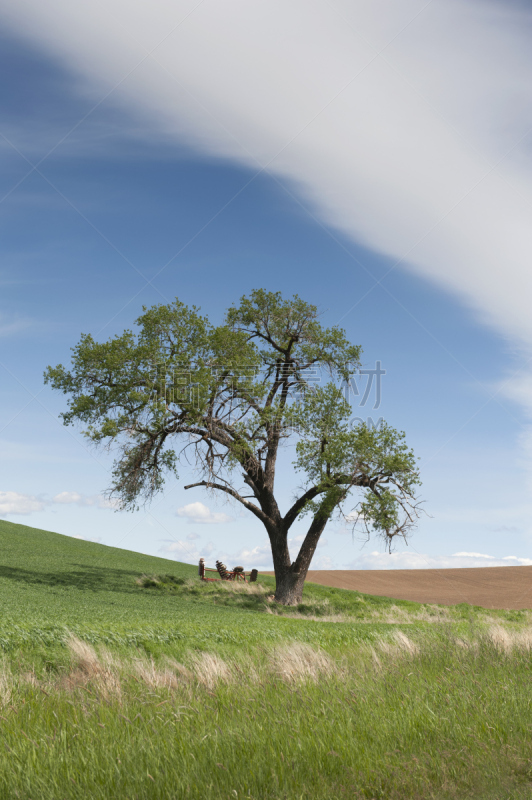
(314, 491)
(228, 490)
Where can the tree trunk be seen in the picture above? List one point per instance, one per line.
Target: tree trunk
(290, 578)
(289, 590)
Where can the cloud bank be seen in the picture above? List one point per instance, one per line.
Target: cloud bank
(198, 513)
(74, 498)
(413, 560)
(260, 557)
(16, 503)
(184, 551)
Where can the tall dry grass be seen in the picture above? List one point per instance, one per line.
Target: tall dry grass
(291, 662)
(102, 669)
(6, 684)
(423, 716)
(508, 640)
(299, 662)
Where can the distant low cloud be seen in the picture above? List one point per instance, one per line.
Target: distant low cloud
(15, 503)
(184, 551)
(295, 543)
(74, 498)
(198, 513)
(412, 560)
(259, 557)
(322, 562)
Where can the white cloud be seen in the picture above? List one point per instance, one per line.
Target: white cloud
(183, 551)
(180, 548)
(198, 513)
(296, 541)
(67, 498)
(259, 557)
(402, 124)
(74, 498)
(413, 560)
(322, 562)
(208, 549)
(472, 555)
(15, 503)
(193, 536)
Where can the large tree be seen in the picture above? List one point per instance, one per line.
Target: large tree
(226, 398)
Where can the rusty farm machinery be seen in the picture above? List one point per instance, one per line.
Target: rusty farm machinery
(224, 574)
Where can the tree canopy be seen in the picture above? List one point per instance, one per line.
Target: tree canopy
(224, 399)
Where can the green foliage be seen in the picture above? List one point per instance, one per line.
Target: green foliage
(137, 391)
(333, 456)
(281, 325)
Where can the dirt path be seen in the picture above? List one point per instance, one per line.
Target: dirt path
(490, 587)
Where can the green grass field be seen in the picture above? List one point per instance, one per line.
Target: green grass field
(118, 681)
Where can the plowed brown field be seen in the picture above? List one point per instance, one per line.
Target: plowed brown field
(490, 587)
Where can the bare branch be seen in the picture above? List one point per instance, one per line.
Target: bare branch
(229, 490)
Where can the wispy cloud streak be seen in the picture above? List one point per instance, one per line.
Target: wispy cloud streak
(406, 126)
(403, 125)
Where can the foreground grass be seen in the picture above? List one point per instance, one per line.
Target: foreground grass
(123, 676)
(432, 718)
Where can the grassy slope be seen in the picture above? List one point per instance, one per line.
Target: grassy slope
(353, 715)
(45, 576)
(49, 582)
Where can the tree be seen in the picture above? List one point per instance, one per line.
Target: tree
(232, 395)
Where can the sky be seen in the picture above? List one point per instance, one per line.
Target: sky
(373, 157)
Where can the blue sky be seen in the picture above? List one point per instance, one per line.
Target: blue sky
(362, 165)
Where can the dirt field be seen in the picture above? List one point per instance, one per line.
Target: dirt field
(490, 587)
